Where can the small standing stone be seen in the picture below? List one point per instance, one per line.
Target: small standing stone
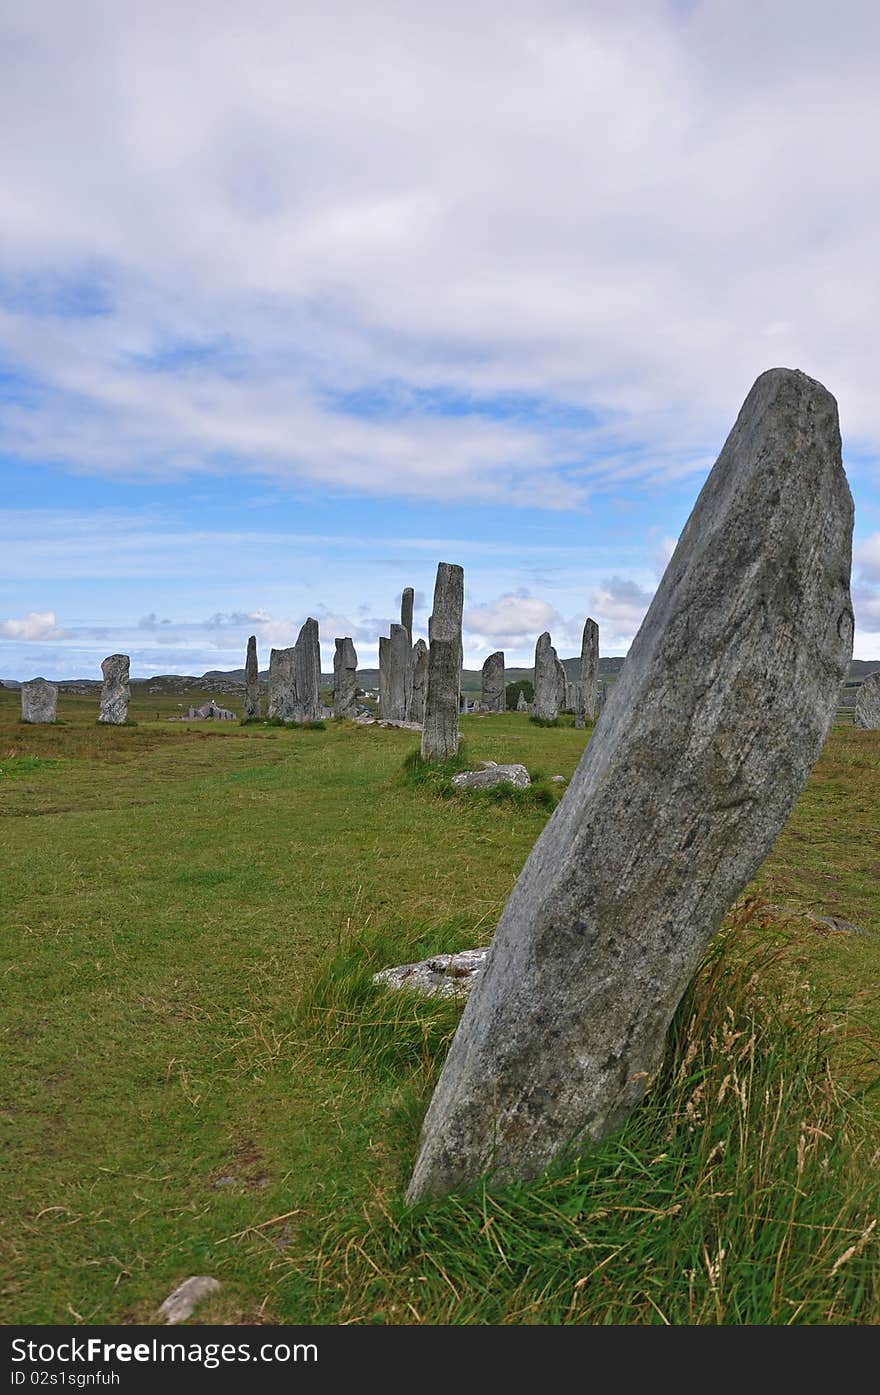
(251, 681)
(345, 679)
(867, 713)
(384, 677)
(39, 701)
(399, 674)
(589, 670)
(282, 691)
(547, 680)
(419, 680)
(440, 727)
(492, 683)
(115, 693)
(521, 704)
(406, 612)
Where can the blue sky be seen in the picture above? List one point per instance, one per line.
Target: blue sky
(297, 301)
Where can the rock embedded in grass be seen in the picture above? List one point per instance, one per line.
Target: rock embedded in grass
(39, 701)
(115, 692)
(443, 976)
(867, 713)
(707, 738)
(492, 775)
(182, 1303)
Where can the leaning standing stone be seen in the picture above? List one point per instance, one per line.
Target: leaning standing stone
(115, 693)
(345, 679)
(419, 680)
(867, 713)
(251, 681)
(39, 701)
(589, 670)
(492, 683)
(440, 728)
(546, 679)
(706, 740)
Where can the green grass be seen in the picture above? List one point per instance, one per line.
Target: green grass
(200, 1076)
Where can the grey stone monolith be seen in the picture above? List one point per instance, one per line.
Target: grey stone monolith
(282, 685)
(345, 679)
(704, 744)
(521, 704)
(251, 680)
(39, 701)
(406, 611)
(440, 726)
(492, 694)
(867, 713)
(419, 665)
(546, 704)
(399, 674)
(307, 673)
(589, 674)
(115, 691)
(384, 677)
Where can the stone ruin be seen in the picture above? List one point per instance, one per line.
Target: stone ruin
(39, 701)
(345, 679)
(440, 727)
(492, 687)
(115, 692)
(867, 713)
(677, 800)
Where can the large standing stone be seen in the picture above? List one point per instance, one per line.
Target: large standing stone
(406, 611)
(399, 674)
(345, 679)
(707, 738)
(282, 687)
(440, 727)
(384, 677)
(307, 673)
(492, 694)
(867, 713)
(589, 670)
(251, 680)
(419, 680)
(115, 693)
(547, 666)
(39, 701)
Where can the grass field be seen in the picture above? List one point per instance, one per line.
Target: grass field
(199, 1078)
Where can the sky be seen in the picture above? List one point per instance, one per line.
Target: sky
(299, 299)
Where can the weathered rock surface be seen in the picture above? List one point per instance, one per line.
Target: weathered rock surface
(251, 680)
(307, 673)
(282, 685)
(419, 666)
(492, 774)
(589, 674)
(39, 701)
(115, 692)
(706, 740)
(345, 662)
(181, 1304)
(867, 713)
(440, 726)
(444, 976)
(547, 666)
(492, 683)
(399, 674)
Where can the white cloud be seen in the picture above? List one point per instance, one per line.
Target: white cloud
(866, 556)
(619, 607)
(515, 619)
(36, 625)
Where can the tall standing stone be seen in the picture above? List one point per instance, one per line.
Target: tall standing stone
(115, 692)
(547, 701)
(384, 677)
(440, 727)
(251, 681)
(867, 713)
(345, 679)
(282, 686)
(399, 674)
(406, 611)
(706, 740)
(492, 693)
(589, 669)
(419, 681)
(39, 701)
(307, 673)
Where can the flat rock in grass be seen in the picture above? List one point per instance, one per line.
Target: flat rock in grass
(406, 726)
(867, 713)
(181, 1304)
(39, 701)
(703, 746)
(490, 775)
(444, 976)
